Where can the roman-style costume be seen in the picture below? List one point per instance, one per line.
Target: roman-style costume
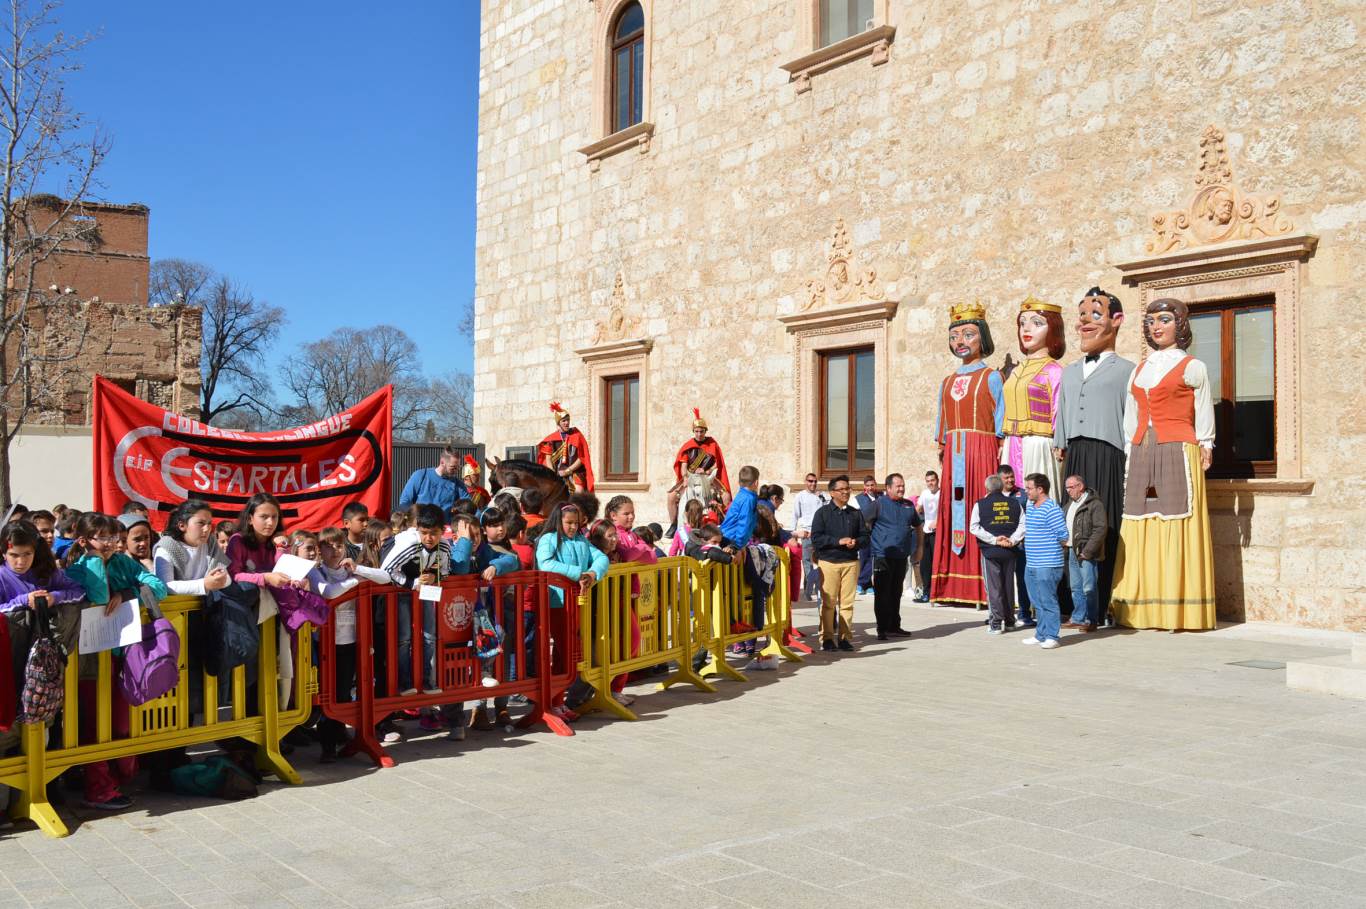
(971, 410)
(1031, 395)
(1164, 577)
(697, 463)
(470, 474)
(562, 448)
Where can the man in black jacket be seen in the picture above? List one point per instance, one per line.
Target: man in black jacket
(1086, 528)
(837, 533)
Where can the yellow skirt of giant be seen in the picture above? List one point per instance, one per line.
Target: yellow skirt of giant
(1164, 571)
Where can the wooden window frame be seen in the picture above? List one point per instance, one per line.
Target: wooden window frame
(1224, 465)
(824, 470)
(627, 430)
(637, 78)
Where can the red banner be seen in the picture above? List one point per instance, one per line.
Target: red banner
(146, 454)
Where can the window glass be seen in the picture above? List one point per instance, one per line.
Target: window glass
(1207, 328)
(632, 422)
(842, 18)
(632, 20)
(837, 411)
(1254, 386)
(863, 411)
(616, 411)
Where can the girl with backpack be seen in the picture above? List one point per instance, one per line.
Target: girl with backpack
(562, 550)
(110, 577)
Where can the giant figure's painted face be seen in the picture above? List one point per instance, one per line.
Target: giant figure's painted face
(1096, 327)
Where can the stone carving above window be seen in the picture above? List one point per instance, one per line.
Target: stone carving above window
(847, 278)
(619, 323)
(1219, 210)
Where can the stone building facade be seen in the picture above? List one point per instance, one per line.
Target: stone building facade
(784, 195)
(95, 320)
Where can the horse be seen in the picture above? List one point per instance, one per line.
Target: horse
(530, 475)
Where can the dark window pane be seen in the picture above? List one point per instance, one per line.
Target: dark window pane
(621, 109)
(637, 78)
(837, 412)
(616, 457)
(864, 394)
(632, 20)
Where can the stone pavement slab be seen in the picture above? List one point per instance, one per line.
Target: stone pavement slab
(952, 769)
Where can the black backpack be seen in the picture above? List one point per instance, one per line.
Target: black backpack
(232, 639)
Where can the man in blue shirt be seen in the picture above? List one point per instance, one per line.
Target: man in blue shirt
(1045, 535)
(892, 520)
(737, 528)
(440, 485)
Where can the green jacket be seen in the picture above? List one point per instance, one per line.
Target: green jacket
(121, 572)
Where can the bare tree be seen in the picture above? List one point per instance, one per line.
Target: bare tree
(45, 142)
(238, 329)
(341, 369)
(179, 282)
(450, 401)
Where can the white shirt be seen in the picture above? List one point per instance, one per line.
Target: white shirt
(929, 507)
(1089, 366)
(197, 568)
(804, 507)
(1072, 511)
(1152, 371)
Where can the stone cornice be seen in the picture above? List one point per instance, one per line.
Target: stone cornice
(874, 42)
(1295, 247)
(614, 349)
(839, 316)
(636, 136)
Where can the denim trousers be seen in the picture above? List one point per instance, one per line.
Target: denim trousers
(1081, 576)
(405, 644)
(1043, 594)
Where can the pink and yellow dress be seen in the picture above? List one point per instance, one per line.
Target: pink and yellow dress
(1031, 393)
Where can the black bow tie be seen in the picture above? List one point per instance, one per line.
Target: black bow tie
(1092, 358)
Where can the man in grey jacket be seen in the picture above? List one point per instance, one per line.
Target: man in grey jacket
(1088, 435)
(1086, 528)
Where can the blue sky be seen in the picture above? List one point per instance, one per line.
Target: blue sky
(321, 153)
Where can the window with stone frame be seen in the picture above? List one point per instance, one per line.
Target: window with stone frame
(627, 67)
(847, 412)
(1236, 340)
(840, 19)
(621, 421)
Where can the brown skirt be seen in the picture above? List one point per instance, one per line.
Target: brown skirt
(1158, 482)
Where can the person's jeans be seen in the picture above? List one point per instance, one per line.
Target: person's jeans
(865, 568)
(811, 574)
(405, 644)
(1021, 590)
(1081, 575)
(1043, 592)
(758, 593)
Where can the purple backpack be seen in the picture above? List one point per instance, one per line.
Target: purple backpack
(151, 668)
(300, 606)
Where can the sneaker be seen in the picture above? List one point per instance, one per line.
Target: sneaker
(1049, 644)
(431, 723)
(827, 645)
(388, 733)
(117, 803)
(564, 713)
(489, 682)
(1030, 640)
(503, 719)
(518, 700)
(407, 692)
(763, 663)
(846, 646)
(994, 630)
(431, 690)
(456, 734)
(624, 699)
(740, 627)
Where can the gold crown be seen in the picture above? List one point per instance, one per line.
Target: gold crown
(963, 312)
(1034, 304)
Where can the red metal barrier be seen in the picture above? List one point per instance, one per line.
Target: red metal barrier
(553, 651)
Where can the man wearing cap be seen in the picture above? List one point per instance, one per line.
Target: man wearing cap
(1089, 433)
(565, 451)
(699, 468)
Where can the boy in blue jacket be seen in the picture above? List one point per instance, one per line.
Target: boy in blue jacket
(471, 554)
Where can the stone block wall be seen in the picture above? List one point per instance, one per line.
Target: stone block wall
(1004, 149)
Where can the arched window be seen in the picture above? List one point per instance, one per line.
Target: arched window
(628, 67)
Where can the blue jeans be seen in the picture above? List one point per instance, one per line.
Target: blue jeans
(1021, 590)
(1043, 593)
(405, 644)
(1081, 577)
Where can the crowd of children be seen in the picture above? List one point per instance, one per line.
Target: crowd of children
(64, 560)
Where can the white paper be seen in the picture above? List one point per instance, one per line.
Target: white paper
(344, 623)
(105, 632)
(429, 593)
(293, 567)
(267, 606)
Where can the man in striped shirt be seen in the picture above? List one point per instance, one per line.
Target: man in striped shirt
(1045, 534)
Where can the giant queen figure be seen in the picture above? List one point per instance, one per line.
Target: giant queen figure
(968, 430)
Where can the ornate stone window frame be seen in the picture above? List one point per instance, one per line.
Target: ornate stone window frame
(604, 361)
(874, 43)
(1269, 266)
(637, 135)
(817, 331)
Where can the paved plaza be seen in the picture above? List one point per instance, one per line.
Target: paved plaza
(953, 769)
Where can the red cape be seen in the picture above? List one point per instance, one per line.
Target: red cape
(710, 447)
(546, 449)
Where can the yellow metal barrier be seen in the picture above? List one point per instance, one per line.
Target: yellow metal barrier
(731, 603)
(164, 722)
(660, 600)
